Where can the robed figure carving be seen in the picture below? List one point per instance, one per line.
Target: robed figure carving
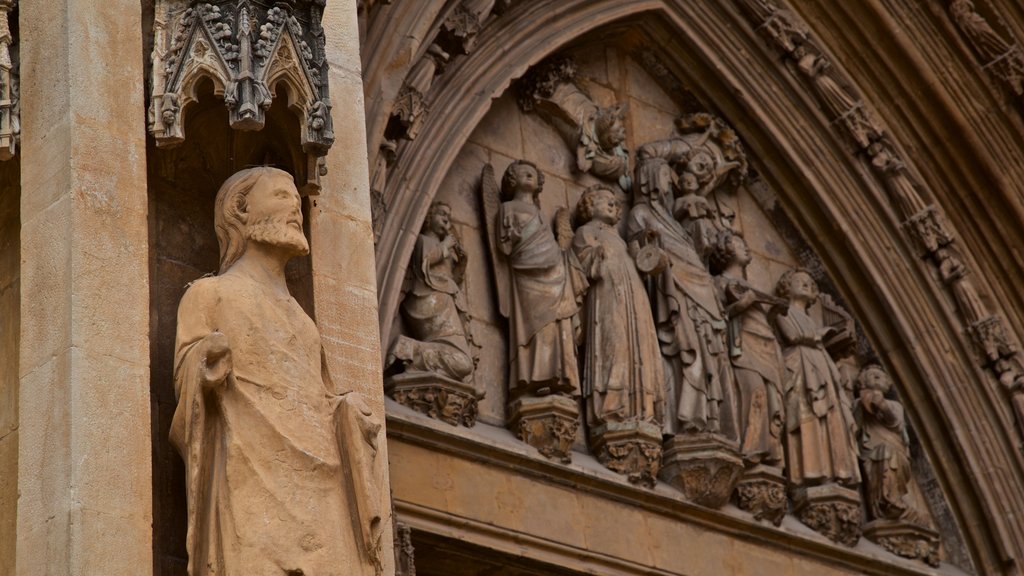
(820, 434)
(283, 474)
(539, 283)
(623, 372)
(690, 321)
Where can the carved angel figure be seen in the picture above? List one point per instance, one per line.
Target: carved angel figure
(689, 318)
(753, 350)
(434, 307)
(539, 284)
(885, 452)
(601, 149)
(623, 373)
(820, 444)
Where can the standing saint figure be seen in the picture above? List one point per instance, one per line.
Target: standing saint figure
(690, 321)
(623, 373)
(434, 306)
(754, 351)
(545, 283)
(282, 469)
(820, 443)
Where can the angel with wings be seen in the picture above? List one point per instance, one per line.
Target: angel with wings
(539, 282)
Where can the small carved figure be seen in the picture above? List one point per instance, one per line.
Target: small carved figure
(820, 447)
(602, 149)
(754, 351)
(545, 282)
(438, 357)
(282, 471)
(885, 451)
(623, 374)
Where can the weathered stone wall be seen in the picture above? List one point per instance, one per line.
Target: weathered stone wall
(10, 304)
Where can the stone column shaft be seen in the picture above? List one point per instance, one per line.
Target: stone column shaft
(85, 503)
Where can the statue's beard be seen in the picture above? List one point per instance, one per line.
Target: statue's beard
(278, 232)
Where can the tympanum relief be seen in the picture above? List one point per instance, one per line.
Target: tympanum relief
(651, 315)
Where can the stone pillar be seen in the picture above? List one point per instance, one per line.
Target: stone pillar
(344, 279)
(85, 503)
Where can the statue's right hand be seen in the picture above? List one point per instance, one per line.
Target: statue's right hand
(216, 356)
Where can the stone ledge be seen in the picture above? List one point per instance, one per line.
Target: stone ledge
(498, 447)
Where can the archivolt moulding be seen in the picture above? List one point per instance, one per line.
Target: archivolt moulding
(247, 49)
(869, 192)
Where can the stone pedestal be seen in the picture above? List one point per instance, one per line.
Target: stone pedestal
(548, 423)
(830, 510)
(445, 399)
(704, 467)
(905, 539)
(629, 448)
(762, 492)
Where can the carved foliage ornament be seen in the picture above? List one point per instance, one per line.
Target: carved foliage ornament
(247, 48)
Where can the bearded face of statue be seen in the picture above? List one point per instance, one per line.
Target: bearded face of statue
(274, 214)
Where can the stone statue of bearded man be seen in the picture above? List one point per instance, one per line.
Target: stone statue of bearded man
(282, 471)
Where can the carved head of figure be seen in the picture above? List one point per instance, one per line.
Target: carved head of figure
(522, 176)
(258, 205)
(439, 220)
(609, 127)
(598, 203)
(873, 377)
(730, 248)
(797, 285)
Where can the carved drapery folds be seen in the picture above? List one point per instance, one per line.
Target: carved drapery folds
(10, 121)
(248, 49)
(997, 54)
(924, 223)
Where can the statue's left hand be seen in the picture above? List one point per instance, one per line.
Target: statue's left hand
(216, 354)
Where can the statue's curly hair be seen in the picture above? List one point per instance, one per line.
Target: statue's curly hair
(784, 286)
(722, 252)
(509, 183)
(585, 207)
(434, 207)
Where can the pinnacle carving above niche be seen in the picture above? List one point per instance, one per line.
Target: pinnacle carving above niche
(248, 49)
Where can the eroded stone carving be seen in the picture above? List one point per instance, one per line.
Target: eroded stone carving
(437, 357)
(757, 366)
(410, 107)
(10, 105)
(690, 320)
(1001, 57)
(623, 374)
(269, 491)
(821, 451)
(405, 552)
(900, 519)
(246, 48)
(597, 132)
(539, 284)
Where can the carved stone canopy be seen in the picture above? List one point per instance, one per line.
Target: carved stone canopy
(248, 49)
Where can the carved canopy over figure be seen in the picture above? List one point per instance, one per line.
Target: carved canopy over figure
(623, 374)
(434, 306)
(754, 351)
(820, 440)
(543, 284)
(690, 321)
(283, 474)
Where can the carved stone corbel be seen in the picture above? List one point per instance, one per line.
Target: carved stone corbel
(248, 49)
(10, 121)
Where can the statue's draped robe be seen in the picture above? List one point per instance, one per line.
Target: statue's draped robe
(691, 328)
(545, 283)
(434, 308)
(282, 473)
(623, 371)
(891, 491)
(757, 365)
(820, 442)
